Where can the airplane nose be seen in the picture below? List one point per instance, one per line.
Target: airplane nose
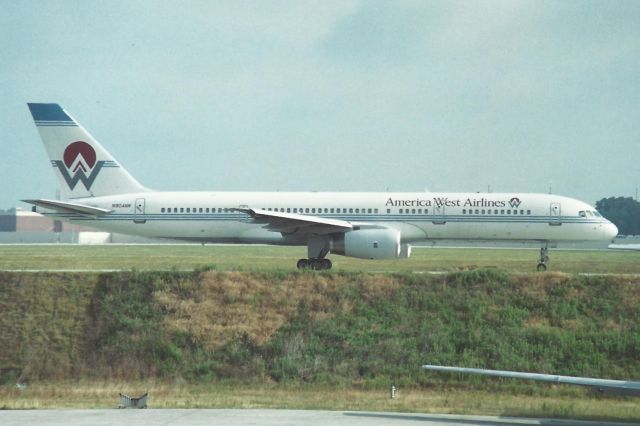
(610, 231)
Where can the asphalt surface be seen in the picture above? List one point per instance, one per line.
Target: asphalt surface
(197, 417)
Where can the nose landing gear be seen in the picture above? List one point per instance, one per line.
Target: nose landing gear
(544, 258)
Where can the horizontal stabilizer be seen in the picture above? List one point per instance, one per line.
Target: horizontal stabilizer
(66, 207)
(618, 387)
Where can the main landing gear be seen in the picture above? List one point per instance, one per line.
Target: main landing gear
(544, 258)
(316, 264)
(317, 249)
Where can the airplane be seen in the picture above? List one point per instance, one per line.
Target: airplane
(606, 386)
(98, 191)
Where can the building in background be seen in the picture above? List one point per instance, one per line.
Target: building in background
(19, 226)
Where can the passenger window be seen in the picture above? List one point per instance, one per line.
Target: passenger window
(482, 211)
(332, 210)
(528, 211)
(357, 210)
(288, 210)
(326, 210)
(521, 211)
(413, 211)
(464, 211)
(508, 211)
(400, 211)
(350, 210)
(162, 210)
(388, 211)
(477, 211)
(369, 211)
(375, 211)
(306, 210)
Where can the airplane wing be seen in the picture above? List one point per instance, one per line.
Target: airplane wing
(291, 223)
(617, 387)
(66, 207)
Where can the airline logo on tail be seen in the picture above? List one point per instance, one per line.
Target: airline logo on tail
(79, 164)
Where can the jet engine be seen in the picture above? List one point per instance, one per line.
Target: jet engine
(379, 243)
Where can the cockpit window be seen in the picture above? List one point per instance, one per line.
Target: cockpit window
(581, 213)
(589, 213)
(597, 213)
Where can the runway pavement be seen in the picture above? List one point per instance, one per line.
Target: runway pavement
(197, 417)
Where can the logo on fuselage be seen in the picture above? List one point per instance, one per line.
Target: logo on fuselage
(79, 164)
(515, 202)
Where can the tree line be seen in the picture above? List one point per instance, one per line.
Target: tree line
(624, 212)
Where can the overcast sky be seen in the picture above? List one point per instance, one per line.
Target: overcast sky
(331, 95)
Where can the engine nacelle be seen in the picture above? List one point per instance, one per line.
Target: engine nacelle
(370, 244)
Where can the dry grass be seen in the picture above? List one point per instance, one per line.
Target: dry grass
(182, 395)
(232, 304)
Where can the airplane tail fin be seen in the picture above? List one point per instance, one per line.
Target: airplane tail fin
(83, 167)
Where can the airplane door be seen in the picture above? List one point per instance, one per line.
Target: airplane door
(555, 214)
(438, 215)
(139, 211)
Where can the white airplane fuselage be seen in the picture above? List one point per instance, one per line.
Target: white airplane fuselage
(420, 217)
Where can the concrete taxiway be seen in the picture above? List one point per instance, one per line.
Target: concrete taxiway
(196, 417)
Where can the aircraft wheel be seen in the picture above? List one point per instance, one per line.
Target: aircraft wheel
(326, 264)
(317, 264)
(541, 267)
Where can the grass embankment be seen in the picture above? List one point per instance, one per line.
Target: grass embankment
(308, 340)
